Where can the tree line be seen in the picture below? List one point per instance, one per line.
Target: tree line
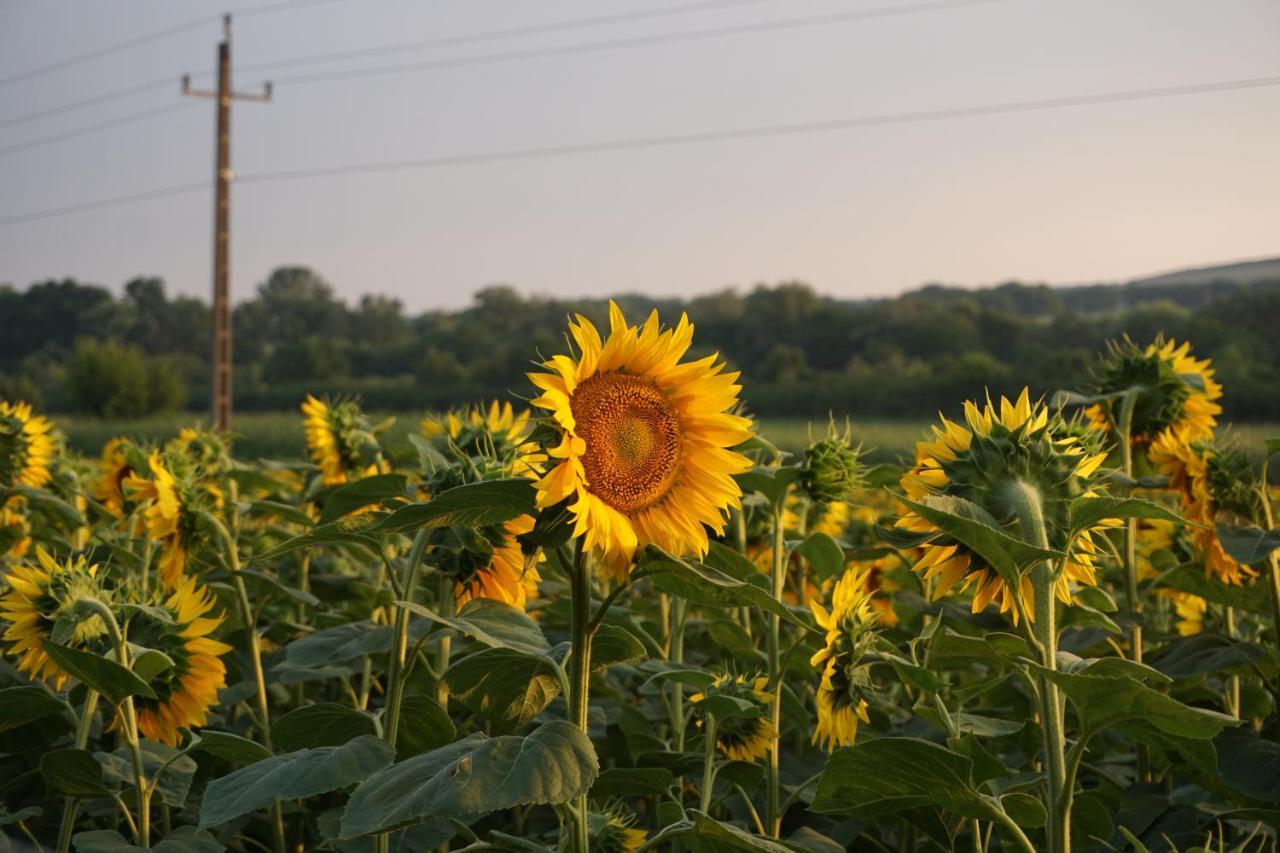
(80, 348)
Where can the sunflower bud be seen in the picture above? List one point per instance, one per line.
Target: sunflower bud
(832, 471)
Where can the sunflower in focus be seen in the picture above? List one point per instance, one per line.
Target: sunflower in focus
(508, 577)
(1179, 392)
(38, 596)
(497, 431)
(185, 691)
(742, 738)
(644, 439)
(1015, 442)
(613, 830)
(26, 446)
(849, 627)
(340, 440)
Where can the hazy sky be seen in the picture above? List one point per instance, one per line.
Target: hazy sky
(1098, 192)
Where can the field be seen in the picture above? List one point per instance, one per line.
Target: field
(629, 626)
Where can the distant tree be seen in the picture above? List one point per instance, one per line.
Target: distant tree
(116, 380)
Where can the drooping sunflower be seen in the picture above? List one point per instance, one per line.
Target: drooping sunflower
(169, 516)
(742, 738)
(509, 577)
(645, 439)
(39, 594)
(1179, 393)
(26, 446)
(850, 628)
(1016, 442)
(497, 430)
(613, 830)
(116, 468)
(185, 691)
(340, 440)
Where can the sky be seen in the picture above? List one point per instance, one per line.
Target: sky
(1097, 192)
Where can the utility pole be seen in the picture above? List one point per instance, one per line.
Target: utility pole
(221, 403)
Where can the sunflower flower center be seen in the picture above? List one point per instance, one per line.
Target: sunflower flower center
(633, 439)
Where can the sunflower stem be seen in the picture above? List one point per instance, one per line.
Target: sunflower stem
(71, 804)
(1029, 509)
(580, 675)
(1273, 559)
(772, 814)
(708, 762)
(678, 725)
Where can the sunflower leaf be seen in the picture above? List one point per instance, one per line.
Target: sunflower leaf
(508, 687)
(424, 725)
(476, 775)
(229, 747)
(704, 832)
(361, 493)
(292, 776)
(21, 705)
(823, 553)
(1248, 545)
(74, 772)
(492, 623)
(109, 678)
(1087, 512)
(977, 530)
(321, 724)
(706, 586)
(472, 505)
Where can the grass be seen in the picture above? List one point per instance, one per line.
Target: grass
(278, 435)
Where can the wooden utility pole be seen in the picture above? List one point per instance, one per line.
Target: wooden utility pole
(221, 403)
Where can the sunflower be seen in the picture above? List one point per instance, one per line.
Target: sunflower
(613, 830)
(15, 530)
(1179, 392)
(340, 440)
(498, 431)
(38, 596)
(185, 691)
(116, 468)
(742, 738)
(1188, 608)
(169, 517)
(1017, 442)
(803, 517)
(850, 628)
(877, 583)
(508, 577)
(644, 439)
(26, 446)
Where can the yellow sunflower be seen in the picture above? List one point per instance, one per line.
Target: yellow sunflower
(849, 627)
(15, 530)
(26, 446)
(1188, 608)
(508, 577)
(742, 738)
(38, 595)
(498, 430)
(168, 518)
(1179, 393)
(185, 691)
(115, 468)
(1017, 441)
(644, 439)
(340, 441)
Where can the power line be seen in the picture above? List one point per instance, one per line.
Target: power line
(511, 32)
(116, 95)
(634, 143)
(138, 41)
(642, 41)
(766, 131)
(94, 128)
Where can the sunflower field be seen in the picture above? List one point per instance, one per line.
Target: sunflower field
(612, 616)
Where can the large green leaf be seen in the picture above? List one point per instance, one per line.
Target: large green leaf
(703, 834)
(351, 533)
(229, 747)
(973, 526)
(424, 725)
(109, 678)
(888, 775)
(21, 705)
(1249, 764)
(553, 764)
(1192, 579)
(1248, 545)
(1087, 512)
(288, 512)
(1201, 654)
(74, 772)
(338, 644)
(322, 724)
(772, 482)
(615, 644)
(174, 770)
(707, 586)
(292, 776)
(632, 782)
(824, 554)
(493, 623)
(471, 505)
(184, 839)
(508, 687)
(1104, 700)
(361, 493)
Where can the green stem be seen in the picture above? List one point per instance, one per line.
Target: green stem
(678, 723)
(72, 805)
(580, 676)
(1233, 683)
(1027, 505)
(772, 814)
(708, 762)
(1273, 559)
(1008, 823)
(444, 646)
